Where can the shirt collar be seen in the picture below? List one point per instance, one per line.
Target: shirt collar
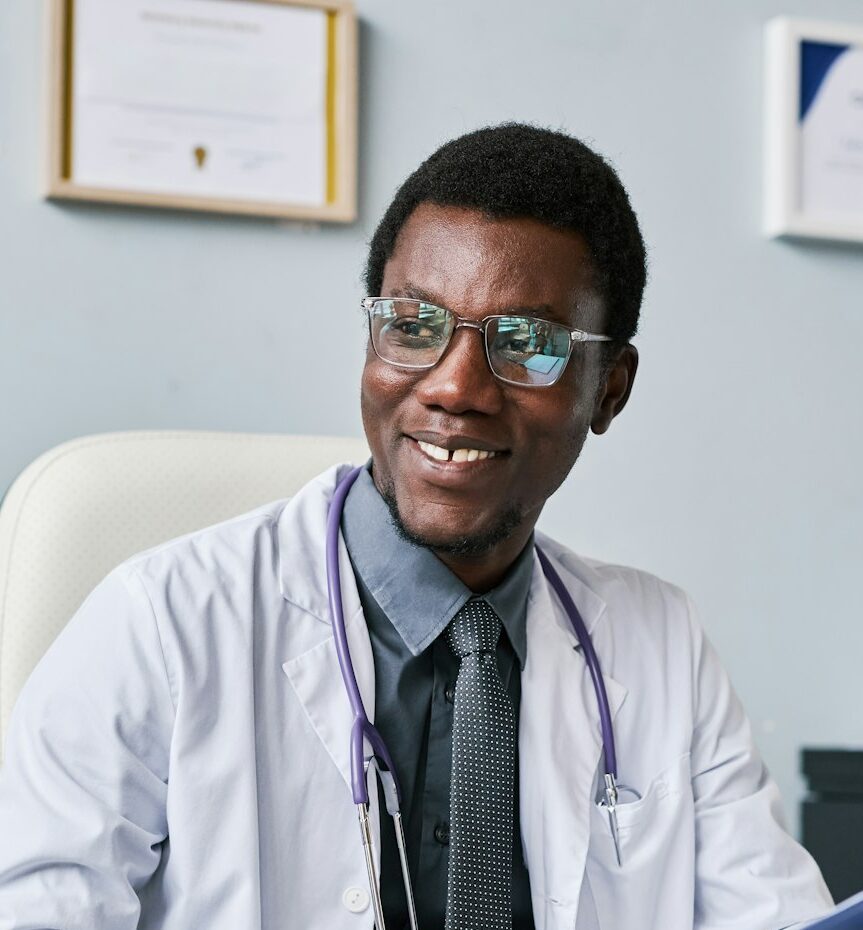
(416, 591)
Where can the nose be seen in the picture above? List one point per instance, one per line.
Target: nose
(462, 381)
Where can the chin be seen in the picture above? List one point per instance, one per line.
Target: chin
(474, 540)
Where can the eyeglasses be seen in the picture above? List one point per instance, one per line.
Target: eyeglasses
(521, 350)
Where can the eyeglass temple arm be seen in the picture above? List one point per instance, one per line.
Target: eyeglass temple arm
(579, 335)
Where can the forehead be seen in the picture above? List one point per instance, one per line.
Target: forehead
(473, 263)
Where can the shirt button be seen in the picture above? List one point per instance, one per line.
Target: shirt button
(441, 834)
(356, 900)
(449, 693)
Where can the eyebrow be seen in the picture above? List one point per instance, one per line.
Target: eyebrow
(543, 311)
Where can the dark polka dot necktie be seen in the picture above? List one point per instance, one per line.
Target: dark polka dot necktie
(479, 886)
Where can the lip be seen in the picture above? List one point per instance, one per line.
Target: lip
(453, 476)
(459, 441)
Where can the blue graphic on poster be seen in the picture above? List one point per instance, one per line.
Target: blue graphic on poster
(831, 130)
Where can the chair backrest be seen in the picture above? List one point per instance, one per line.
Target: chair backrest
(85, 506)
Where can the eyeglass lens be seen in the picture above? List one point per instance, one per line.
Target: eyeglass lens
(521, 350)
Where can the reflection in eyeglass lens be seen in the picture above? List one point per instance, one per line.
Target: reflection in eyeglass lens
(523, 350)
(528, 351)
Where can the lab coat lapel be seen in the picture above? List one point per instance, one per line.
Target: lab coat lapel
(560, 747)
(311, 663)
(317, 681)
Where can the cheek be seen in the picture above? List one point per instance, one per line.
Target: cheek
(376, 387)
(558, 414)
(557, 432)
(370, 406)
(382, 389)
(558, 440)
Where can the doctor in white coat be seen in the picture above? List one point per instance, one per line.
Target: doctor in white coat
(179, 759)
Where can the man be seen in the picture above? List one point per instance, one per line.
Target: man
(180, 758)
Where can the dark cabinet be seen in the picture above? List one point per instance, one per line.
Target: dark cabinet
(833, 817)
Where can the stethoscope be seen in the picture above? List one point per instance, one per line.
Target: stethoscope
(364, 730)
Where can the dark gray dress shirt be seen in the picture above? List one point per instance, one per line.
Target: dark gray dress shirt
(409, 597)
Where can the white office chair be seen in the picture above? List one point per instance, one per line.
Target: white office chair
(85, 506)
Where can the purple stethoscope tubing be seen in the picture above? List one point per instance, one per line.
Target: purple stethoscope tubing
(590, 656)
(363, 728)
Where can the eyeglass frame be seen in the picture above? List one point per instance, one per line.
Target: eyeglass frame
(575, 335)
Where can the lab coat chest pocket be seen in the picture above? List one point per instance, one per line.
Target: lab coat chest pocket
(653, 888)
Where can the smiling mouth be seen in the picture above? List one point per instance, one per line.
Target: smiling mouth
(439, 454)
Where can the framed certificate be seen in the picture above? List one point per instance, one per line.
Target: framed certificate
(813, 166)
(229, 106)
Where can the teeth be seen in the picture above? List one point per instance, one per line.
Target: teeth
(458, 455)
(436, 452)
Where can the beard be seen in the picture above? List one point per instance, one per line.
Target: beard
(470, 547)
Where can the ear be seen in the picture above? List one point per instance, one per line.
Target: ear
(614, 394)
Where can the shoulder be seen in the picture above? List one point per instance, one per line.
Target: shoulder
(205, 553)
(618, 585)
(234, 547)
(637, 607)
(200, 586)
(176, 583)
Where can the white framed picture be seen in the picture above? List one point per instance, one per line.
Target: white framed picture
(813, 154)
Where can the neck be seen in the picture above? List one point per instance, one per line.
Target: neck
(484, 572)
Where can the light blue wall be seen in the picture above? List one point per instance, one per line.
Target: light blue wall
(736, 470)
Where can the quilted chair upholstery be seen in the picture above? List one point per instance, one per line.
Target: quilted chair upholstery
(85, 506)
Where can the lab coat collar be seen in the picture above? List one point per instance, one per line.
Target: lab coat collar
(302, 533)
(310, 660)
(576, 575)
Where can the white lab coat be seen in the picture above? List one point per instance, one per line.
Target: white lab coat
(179, 758)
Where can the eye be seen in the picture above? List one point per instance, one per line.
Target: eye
(516, 339)
(517, 344)
(411, 332)
(413, 328)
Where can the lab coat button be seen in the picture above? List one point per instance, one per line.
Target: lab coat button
(356, 900)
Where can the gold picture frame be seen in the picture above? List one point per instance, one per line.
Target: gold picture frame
(337, 173)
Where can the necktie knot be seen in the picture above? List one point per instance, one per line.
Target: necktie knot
(475, 628)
